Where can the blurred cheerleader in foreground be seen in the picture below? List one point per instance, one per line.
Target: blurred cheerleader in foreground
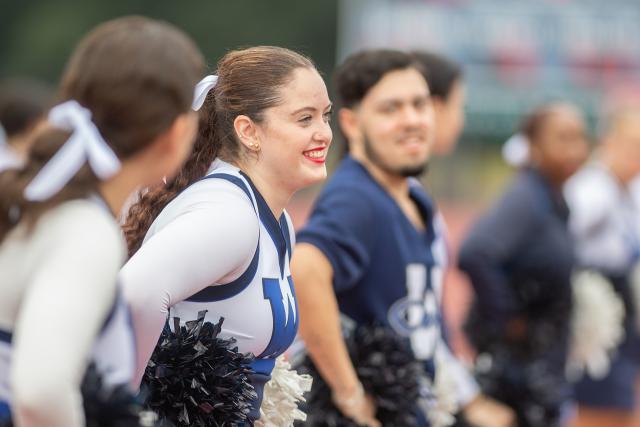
(125, 121)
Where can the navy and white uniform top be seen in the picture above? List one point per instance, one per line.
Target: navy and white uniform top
(384, 269)
(605, 224)
(604, 220)
(218, 247)
(59, 309)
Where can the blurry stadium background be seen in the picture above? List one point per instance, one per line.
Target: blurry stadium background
(516, 53)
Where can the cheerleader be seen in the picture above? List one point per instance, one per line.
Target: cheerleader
(605, 223)
(217, 237)
(520, 258)
(125, 121)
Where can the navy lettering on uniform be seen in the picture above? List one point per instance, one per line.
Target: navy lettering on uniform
(285, 320)
(5, 412)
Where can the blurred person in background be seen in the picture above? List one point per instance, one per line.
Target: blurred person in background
(446, 86)
(605, 223)
(519, 258)
(23, 103)
(373, 249)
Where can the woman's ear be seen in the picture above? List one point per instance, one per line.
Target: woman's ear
(169, 150)
(185, 129)
(247, 132)
(535, 153)
(179, 138)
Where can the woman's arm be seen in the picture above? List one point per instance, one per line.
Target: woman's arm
(494, 241)
(211, 243)
(69, 296)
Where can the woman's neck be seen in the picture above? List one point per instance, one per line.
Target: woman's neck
(117, 189)
(276, 193)
(550, 177)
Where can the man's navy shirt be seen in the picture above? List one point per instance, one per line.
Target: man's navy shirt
(384, 268)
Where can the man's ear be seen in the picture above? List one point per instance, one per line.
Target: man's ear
(348, 120)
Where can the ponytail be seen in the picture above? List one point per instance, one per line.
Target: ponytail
(150, 203)
(249, 82)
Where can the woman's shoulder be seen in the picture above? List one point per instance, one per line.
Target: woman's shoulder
(214, 189)
(82, 217)
(80, 231)
(209, 196)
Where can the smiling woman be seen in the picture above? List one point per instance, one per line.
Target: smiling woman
(220, 224)
(294, 133)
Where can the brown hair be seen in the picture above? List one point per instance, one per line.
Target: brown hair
(440, 73)
(534, 121)
(136, 76)
(23, 102)
(361, 71)
(248, 83)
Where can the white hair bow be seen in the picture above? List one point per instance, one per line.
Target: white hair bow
(84, 144)
(516, 151)
(202, 89)
(3, 136)
(8, 159)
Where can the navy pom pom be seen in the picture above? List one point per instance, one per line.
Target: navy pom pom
(195, 378)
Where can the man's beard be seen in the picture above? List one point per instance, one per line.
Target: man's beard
(403, 171)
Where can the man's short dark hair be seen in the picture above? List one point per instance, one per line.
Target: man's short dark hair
(440, 72)
(361, 71)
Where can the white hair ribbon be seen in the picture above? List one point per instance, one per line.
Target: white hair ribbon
(202, 89)
(3, 136)
(8, 158)
(84, 144)
(515, 150)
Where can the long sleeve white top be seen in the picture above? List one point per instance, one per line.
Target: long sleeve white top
(207, 236)
(57, 284)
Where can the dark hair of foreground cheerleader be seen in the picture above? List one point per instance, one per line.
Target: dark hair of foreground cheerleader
(136, 76)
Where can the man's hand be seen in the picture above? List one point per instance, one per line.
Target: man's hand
(357, 406)
(320, 329)
(486, 412)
